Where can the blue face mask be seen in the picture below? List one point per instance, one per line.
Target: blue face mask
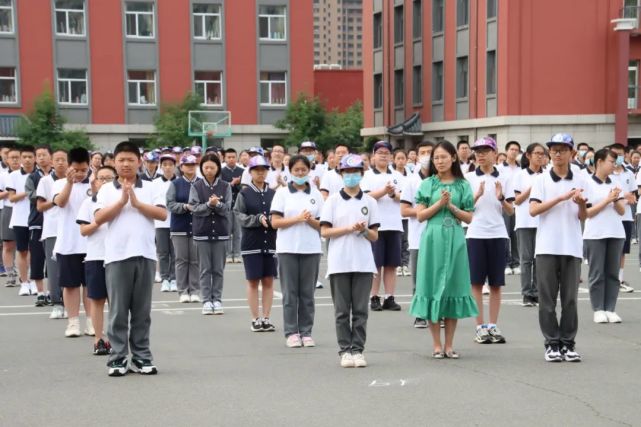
(620, 160)
(300, 180)
(311, 158)
(352, 179)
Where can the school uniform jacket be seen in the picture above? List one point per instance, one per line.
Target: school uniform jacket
(210, 223)
(253, 203)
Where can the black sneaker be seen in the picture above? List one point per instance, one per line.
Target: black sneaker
(48, 300)
(390, 304)
(420, 323)
(41, 301)
(143, 367)
(535, 300)
(375, 303)
(118, 367)
(257, 325)
(267, 325)
(552, 354)
(495, 335)
(527, 302)
(101, 348)
(569, 354)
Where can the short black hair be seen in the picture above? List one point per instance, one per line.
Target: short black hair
(27, 149)
(340, 144)
(127, 147)
(78, 155)
(44, 147)
(98, 153)
(511, 143)
(299, 158)
(616, 146)
(578, 146)
(111, 168)
(211, 157)
(230, 151)
(461, 142)
(425, 144)
(60, 150)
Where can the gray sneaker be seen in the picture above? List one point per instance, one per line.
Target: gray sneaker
(208, 308)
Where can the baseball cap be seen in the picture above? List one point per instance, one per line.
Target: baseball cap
(351, 161)
(196, 150)
(561, 138)
(188, 159)
(168, 157)
(307, 144)
(150, 157)
(213, 150)
(256, 150)
(484, 142)
(258, 161)
(177, 150)
(382, 144)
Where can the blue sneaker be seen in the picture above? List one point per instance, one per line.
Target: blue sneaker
(3, 272)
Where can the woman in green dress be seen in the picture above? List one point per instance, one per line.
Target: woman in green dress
(443, 289)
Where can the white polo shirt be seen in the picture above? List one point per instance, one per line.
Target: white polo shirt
(271, 179)
(389, 210)
(299, 238)
(508, 171)
(521, 182)
(130, 234)
(4, 181)
(607, 223)
(626, 182)
(20, 214)
(559, 231)
(350, 253)
(408, 196)
(487, 222)
(162, 185)
(332, 182)
(50, 217)
(69, 240)
(95, 241)
(467, 167)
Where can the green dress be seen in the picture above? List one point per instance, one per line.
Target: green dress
(443, 273)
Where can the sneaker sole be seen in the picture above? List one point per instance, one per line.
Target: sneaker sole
(420, 326)
(360, 365)
(151, 371)
(572, 360)
(554, 360)
(219, 313)
(488, 341)
(493, 341)
(74, 335)
(118, 372)
(392, 309)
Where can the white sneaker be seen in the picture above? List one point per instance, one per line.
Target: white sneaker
(347, 361)
(508, 271)
(600, 317)
(89, 330)
(24, 290)
(218, 308)
(58, 312)
(184, 298)
(173, 286)
(319, 284)
(157, 278)
(625, 288)
(486, 290)
(359, 360)
(516, 271)
(73, 328)
(613, 317)
(194, 298)
(165, 287)
(33, 288)
(585, 261)
(406, 271)
(399, 271)
(208, 308)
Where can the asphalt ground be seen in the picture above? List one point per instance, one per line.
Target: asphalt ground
(214, 371)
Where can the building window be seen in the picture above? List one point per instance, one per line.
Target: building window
(272, 22)
(72, 87)
(140, 20)
(490, 73)
(209, 86)
(633, 85)
(437, 81)
(417, 85)
(207, 21)
(8, 93)
(491, 9)
(378, 91)
(6, 16)
(142, 87)
(462, 13)
(631, 9)
(399, 88)
(461, 77)
(70, 17)
(417, 19)
(378, 30)
(398, 25)
(273, 88)
(437, 16)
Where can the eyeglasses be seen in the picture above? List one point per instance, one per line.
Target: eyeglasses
(105, 179)
(558, 152)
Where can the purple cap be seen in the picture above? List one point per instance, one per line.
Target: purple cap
(196, 150)
(308, 144)
(258, 161)
(256, 150)
(561, 138)
(212, 149)
(351, 161)
(168, 157)
(150, 157)
(484, 142)
(382, 144)
(188, 160)
(177, 150)
(186, 149)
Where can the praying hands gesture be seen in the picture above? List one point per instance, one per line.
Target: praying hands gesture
(498, 190)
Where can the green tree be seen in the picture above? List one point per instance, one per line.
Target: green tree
(45, 125)
(305, 119)
(172, 123)
(343, 127)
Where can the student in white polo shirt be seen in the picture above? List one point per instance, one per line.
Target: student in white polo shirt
(604, 237)
(350, 221)
(408, 210)
(508, 169)
(129, 206)
(8, 235)
(400, 163)
(383, 184)
(164, 246)
(332, 182)
(295, 214)
(464, 154)
(486, 236)
(525, 224)
(557, 199)
(308, 149)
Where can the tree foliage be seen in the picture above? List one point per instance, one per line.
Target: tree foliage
(172, 124)
(45, 125)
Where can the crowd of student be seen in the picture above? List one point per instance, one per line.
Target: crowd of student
(455, 219)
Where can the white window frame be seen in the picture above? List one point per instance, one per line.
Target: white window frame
(206, 83)
(138, 13)
(203, 16)
(66, 11)
(633, 103)
(15, 87)
(269, 24)
(69, 81)
(270, 83)
(138, 82)
(12, 19)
